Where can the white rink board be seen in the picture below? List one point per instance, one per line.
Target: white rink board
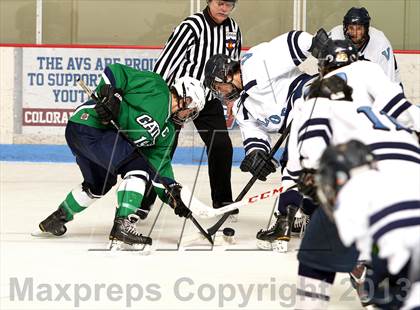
(170, 279)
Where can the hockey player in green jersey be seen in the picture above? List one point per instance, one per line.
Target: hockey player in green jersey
(145, 108)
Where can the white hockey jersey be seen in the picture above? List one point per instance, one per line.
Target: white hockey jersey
(372, 87)
(377, 49)
(272, 82)
(320, 122)
(373, 209)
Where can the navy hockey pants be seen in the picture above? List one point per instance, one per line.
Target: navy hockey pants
(321, 247)
(102, 155)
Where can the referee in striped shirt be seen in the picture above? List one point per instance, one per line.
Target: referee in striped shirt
(186, 52)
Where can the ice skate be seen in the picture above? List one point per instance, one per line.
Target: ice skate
(277, 237)
(124, 235)
(53, 225)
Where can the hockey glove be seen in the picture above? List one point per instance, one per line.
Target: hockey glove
(319, 40)
(259, 164)
(109, 106)
(175, 201)
(307, 185)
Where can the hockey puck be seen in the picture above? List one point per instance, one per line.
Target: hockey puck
(228, 232)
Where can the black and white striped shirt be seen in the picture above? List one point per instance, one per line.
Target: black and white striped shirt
(193, 42)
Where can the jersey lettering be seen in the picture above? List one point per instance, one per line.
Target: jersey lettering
(387, 53)
(142, 142)
(165, 132)
(245, 57)
(275, 119)
(150, 125)
(377, 124)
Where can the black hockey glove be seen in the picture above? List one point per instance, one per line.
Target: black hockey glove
(109, 106)
(259, 164)
(319, 40)
(307, 185)
(175, 201)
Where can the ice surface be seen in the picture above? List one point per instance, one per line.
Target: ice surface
(63, 274)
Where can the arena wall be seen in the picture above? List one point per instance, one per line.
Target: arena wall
(38, 89)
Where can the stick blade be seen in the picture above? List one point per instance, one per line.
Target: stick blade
(197, 207)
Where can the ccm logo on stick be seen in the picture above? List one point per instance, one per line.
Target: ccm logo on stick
(265, 195)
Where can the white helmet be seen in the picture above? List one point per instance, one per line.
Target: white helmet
(191, 92)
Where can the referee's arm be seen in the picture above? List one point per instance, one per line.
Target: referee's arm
(174, 52)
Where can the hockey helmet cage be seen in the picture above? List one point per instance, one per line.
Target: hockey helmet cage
(335, 54)
(220, 68)
(356, 16)
(191, 94)
(336, 166)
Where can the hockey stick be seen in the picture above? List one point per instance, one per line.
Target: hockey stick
(212, 230)
(91, 94)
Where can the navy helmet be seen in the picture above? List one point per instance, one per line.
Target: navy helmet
(335, 54)
(356, 16)
(336, 166)
(333, 88)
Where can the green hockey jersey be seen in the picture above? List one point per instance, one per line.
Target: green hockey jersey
(144, 113)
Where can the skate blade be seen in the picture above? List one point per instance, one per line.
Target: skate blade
(279, 246)
(115, 246)
(119, 246)
(264, 245)
(44, 234)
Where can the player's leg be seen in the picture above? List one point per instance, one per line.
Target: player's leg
(381, 288)
(135, 175)
(313, 288)
(97, 181)
(211, 125)
(322, 251)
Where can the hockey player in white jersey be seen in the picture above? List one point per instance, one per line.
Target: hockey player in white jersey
(371, 43)
(370, 85)
(265, 86)
(331, 116)
(379, 215)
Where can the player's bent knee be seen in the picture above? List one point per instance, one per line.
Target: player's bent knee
(134, 181)
(93, 191)
(97, 190)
